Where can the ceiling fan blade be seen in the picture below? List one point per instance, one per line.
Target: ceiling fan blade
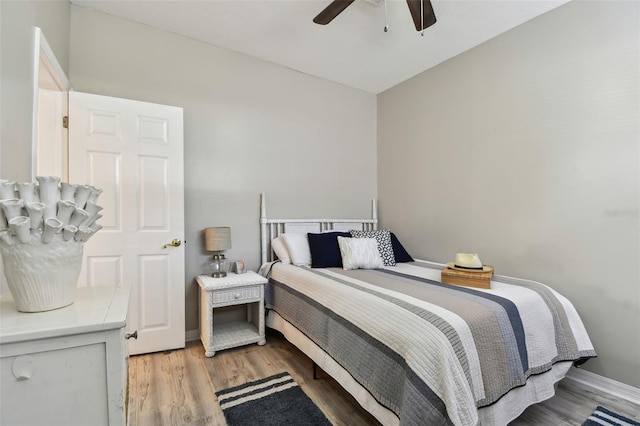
(334, 9)
(428, 17)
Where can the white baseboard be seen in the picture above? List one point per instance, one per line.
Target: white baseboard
(604, 384)
(191, 335)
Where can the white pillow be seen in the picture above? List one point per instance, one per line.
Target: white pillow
(383, 236)
(360, 253)
(298, 248)
(280, 249)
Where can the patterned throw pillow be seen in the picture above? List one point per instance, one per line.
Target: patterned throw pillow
(383, 237)
(359, 253)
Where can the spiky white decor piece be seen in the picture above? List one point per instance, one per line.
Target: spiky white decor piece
(43, 226)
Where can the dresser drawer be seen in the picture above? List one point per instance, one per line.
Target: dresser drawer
(236, 295)
(68, 386)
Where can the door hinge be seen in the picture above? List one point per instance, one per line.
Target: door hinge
(65, 121)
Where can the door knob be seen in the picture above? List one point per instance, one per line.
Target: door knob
(174, 243)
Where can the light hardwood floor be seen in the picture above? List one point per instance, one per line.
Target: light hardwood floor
(178, 388)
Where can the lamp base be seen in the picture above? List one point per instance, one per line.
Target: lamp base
(219, 274)
(218, 266)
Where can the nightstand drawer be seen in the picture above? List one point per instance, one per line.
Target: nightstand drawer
(239, 295)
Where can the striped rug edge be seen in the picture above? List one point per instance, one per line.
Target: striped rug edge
(257, 389)
(605, 417)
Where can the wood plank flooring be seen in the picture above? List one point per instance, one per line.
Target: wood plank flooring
(178, 388)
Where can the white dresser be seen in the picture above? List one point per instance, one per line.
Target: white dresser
(67, 366)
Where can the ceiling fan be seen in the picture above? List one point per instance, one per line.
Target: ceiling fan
(421, 12)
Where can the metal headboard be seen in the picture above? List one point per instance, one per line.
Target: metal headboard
(271, 228)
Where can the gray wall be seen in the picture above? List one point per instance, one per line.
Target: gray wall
(18, 18)
(249, 127)
(17, 22)
(526, 151)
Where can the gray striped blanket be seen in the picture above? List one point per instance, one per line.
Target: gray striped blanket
(431, 353)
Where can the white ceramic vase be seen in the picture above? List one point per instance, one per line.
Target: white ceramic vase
(27, 192)
(7, 189)
(49, 194)
(42, 277)
(36, 213)
(41, 239)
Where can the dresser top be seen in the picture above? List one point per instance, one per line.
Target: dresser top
(94, 309)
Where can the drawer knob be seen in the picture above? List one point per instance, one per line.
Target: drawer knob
(23, 367)
(237, 295)
(130, 335)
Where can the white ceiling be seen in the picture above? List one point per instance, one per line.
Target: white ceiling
(352, 50)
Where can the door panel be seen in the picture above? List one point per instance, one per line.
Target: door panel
(134, 152)
(104, 172)
(154, 271)
(153, 197)
(104, 270)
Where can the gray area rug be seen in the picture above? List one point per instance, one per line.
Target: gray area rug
(276, 400)
(602, 416)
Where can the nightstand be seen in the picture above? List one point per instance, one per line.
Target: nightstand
(234, 289)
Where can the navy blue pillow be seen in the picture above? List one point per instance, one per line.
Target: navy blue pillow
(400, 253)
(325, 251)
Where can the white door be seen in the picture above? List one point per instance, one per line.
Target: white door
(134, 152)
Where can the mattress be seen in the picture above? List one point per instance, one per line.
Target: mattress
(414, 351)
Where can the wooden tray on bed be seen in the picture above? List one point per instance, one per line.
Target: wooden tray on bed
(468, 279)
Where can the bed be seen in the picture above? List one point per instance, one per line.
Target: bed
(408, 348)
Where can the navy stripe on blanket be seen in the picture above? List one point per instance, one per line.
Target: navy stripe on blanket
(510, 308)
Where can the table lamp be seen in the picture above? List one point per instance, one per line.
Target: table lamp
(218, 240)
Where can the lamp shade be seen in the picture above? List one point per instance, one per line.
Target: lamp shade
(217, 239)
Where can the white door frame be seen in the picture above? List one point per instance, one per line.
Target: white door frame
(47, 74)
